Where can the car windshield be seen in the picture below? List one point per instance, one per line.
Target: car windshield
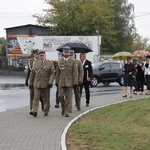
(96, 65)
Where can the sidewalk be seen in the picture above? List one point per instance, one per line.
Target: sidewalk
(21, 131)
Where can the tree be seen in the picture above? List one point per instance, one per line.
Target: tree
(124, 24)
(140, 43)
(3, 57)
(85, 17)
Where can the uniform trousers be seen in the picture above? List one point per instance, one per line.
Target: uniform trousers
(65, 98)
(46, 94)
(32, 97)
(77, 95)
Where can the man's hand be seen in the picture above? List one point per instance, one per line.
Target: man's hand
(88, 79)
(50, 85)
(26, 83)
(30, 86)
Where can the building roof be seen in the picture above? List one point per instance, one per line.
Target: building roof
(26, 26)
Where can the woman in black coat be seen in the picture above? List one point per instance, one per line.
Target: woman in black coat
(140, 78)
(129, 79)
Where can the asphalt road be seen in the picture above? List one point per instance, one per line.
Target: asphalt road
(17, 95)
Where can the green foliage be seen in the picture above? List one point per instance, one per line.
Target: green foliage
(112, 19)
(3, 57)
(140, 43)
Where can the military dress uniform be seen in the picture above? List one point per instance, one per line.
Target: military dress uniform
(41, 77)
(80, 81)
(66, 78)
(30, 68)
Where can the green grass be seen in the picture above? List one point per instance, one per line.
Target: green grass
(124, 126)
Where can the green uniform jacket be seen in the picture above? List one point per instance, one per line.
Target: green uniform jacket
(42, 75)
(80, 71)
(67, 74)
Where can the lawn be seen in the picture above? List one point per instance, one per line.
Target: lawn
(124, 126)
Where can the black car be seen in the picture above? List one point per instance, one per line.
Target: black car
(106, 72)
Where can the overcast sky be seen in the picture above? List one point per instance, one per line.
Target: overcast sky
(19, 12)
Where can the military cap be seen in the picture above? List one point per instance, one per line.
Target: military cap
(41, 53)
(66, 49)
(35, 51)
(71, 52)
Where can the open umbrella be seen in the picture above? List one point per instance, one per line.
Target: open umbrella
(140, 53)
(122, 56)
(77, 47)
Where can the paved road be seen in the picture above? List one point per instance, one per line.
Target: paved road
(14, 94)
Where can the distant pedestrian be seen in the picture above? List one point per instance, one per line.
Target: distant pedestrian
(129, 78)
(88, 71)
(140, 78)
(66, 78)
(147, 74)
(30, 68)
(80, 80)
(42, 77)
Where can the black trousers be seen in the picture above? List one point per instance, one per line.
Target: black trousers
(87, 91)
(57, 99)
(148, 81)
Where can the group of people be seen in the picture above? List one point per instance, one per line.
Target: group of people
(70, 75)
(137, 76)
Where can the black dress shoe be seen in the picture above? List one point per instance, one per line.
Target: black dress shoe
(62, 112)
(34, 114)
(56, 106)
(87, 105)
(66, 115)
(31, 113)
(78, 109)
(124, 96)
(45, 114)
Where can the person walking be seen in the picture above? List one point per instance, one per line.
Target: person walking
(30, 68)
(42, 77)
(60, 55)
(129, 79)
(88, 71)
(66, 78)
(80, 81)
(147, 74)
(140, 78)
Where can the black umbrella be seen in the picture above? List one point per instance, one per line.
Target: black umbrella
(77, 47)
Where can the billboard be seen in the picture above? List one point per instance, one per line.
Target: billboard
(49, 44)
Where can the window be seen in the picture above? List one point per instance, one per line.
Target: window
(105, 66)
(115, 66)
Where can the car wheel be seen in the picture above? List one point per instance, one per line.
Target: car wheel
(121, 81)
(106, 83)
(94, 82)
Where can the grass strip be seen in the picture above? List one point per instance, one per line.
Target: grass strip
(124, 126)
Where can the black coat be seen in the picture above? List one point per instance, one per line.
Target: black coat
(140, 73)
(88, 70)
(129, 80)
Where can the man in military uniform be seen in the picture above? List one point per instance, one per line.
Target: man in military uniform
(66, 78)
(42, 77)
(80, 80)
(30, 68)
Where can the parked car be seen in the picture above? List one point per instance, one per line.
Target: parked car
(107, 72)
